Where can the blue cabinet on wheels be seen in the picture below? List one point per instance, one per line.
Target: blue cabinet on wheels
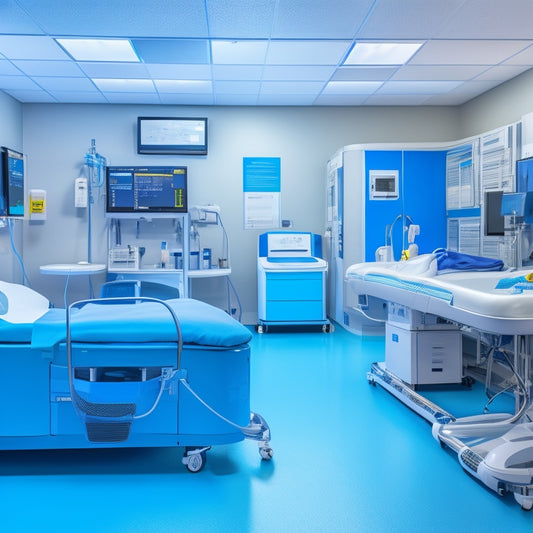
(291, 281)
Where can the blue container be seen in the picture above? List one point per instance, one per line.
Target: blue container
(206, 258)
(194, 263)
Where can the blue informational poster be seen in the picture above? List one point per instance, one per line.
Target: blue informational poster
(261, 189)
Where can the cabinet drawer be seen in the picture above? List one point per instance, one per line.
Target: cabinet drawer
(294, 288)
(294, 311)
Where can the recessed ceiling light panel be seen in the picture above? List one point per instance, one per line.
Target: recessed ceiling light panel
(99, 49)
(381, 53)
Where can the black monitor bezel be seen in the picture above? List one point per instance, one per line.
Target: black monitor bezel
(114, 211)
(168, 147)
(6, 181)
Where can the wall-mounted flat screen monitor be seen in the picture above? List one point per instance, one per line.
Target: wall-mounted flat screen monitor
(168, 135)
(494, 220)
(150, 191)
(12, 177)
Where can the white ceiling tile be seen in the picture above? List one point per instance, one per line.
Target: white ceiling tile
(186, 99)
(341, 99)
(295, 72)
(239, 52)
(471, 89)
(307, 52)
(317, 19)
(15, 20)
(236, 99)
(418, 87)
(412, 19)
(49, 68)
(237, 72)
(236, 87)
(124, 86)
(120, 18)
(30, 96)
(291, 87)
(393, 100)
(286, 99)
(450, 99)
(183, 86)
(363, 73)
(240, 19)
(55, 83)
(177, 72)
(501, 73)
(30, 47)
(352, 87)
(525, 57)
(114, 70)
(488, 19)
(17, 82)
(76, 97)
(462, 52)
(7, 68)
(438, 73)
(132, 98)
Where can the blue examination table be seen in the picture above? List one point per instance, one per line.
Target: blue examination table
(125, 372)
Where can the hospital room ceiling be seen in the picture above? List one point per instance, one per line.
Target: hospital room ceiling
(262, 52)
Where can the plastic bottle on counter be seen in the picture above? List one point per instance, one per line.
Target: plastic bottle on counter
(165, 256)
(194, 245)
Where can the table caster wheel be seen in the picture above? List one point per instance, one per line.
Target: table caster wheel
(266, 453)
(194, 461)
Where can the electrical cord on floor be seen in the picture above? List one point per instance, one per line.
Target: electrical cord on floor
(250, 430)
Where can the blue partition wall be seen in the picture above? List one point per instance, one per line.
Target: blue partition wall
(422, 197)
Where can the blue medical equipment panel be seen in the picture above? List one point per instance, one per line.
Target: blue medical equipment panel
(379, 213)
(424, 196)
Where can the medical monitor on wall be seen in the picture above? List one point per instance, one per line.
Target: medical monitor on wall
(168, 135)
(150, 191)
(12, 177)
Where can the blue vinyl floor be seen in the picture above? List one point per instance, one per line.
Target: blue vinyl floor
(348, 458)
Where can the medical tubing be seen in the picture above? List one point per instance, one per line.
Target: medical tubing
(134, 299)
(250, 430)
(237, 298)
(14, 248)
(380, 320)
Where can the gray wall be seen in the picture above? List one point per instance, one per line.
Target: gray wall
(56, 138)
(11, 136)
(502, 105)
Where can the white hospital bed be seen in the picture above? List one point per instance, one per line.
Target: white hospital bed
(495, 448)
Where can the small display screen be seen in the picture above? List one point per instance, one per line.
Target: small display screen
(138, 190)
(385, 184)
(12, 203)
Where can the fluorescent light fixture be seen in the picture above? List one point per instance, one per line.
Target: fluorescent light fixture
(99, 49)
(381, 53)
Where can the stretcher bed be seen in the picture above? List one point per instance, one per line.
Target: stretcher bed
(124, 372)
(496, 308)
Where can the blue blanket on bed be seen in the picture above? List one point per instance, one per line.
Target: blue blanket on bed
(449, 261)
(200, 324)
